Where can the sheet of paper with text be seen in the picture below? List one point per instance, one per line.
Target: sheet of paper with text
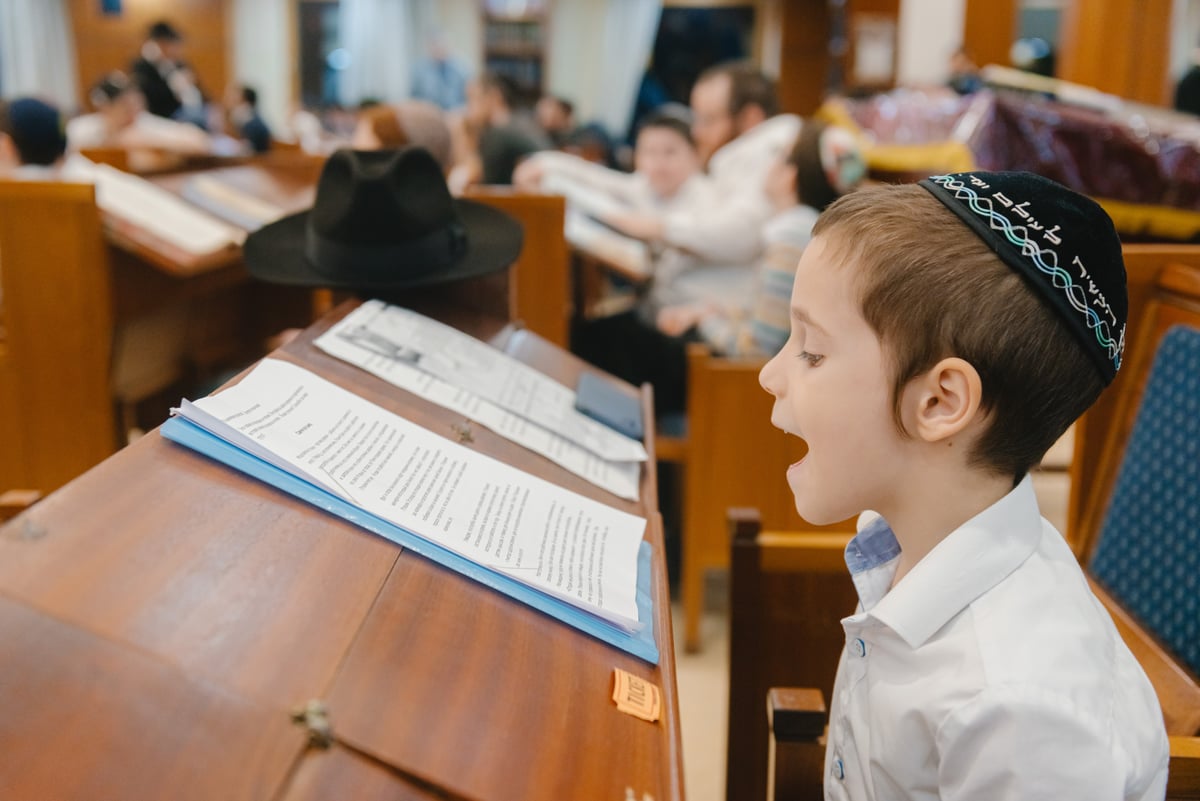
(557, 541)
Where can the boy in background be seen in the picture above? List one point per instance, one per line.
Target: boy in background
(666, 178)
(824, 164)
(943, 336)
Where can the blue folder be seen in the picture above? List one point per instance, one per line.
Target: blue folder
(640, 643)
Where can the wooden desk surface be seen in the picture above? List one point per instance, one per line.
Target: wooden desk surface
(162, 614)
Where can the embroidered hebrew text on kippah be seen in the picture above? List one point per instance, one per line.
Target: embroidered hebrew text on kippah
(1037, 249)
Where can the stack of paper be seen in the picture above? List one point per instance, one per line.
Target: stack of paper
(396, 478)
(459, 372)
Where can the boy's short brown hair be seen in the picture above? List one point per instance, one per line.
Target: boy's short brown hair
(748, 86)
(931, 289)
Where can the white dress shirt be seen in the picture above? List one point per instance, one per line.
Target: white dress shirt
(729, 229)
(680, 277)
(990, 671)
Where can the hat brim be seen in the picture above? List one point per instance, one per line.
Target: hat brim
(276, 253)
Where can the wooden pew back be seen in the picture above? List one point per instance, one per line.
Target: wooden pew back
(786, 606)
(56, 415)
(735, 458)
(540, 280)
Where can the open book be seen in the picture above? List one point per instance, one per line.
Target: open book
(586, 207)
(565, 554)
(138, 202)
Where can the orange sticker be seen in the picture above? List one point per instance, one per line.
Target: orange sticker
(635, 696)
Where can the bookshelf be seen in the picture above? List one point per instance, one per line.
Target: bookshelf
(514, 45)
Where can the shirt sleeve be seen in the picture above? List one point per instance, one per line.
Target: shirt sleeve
(720, 231)
(573, 168)
(1027, 744)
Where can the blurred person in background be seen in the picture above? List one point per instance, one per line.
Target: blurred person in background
(32, 139)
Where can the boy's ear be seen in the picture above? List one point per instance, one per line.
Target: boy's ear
(945, 400)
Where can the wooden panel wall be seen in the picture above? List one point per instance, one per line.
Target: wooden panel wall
(108, 42)
(803, 54)
(1118, 46)
(989, 29)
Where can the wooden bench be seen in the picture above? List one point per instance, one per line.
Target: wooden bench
(56, 323)
(732, 457)
(540, 279)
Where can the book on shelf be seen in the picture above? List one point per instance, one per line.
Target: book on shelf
(581, 561)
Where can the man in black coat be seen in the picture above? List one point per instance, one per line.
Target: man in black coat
(165, 79)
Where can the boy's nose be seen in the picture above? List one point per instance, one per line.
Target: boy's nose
(768, 374)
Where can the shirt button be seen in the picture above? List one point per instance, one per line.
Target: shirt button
(860, 647)
(839, 770)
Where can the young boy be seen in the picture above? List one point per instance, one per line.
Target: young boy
(943, 336)
(666, 179)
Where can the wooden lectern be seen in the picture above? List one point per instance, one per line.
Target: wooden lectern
(174, 629)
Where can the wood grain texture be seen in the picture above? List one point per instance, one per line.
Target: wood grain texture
(784, 631)
(804, 59)
(86, 719)
(989, 29)
(340, 773)
(106, 42)
(221, 576)
(1118, 46)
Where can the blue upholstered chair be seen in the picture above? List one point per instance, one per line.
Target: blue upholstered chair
(1147, 553)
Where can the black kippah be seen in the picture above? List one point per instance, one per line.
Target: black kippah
(1063, 243)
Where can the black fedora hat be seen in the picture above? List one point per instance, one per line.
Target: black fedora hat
(381, 220)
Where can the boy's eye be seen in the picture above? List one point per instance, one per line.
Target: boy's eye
(813, 359)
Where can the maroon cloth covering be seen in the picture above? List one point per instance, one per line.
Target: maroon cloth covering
(1137, 155)
(1126, 157)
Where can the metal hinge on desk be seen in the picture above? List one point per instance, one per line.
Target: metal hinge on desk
(463, 431)
(314, 717)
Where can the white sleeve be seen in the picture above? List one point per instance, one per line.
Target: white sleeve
(719, 229)
(1027, 744)
(556, 165)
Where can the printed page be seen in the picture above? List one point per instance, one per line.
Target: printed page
(619, 478)
(559, 542)
(463, 361)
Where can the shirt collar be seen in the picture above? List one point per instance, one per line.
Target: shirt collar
(970, 561)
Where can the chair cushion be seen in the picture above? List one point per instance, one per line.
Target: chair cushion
(1148, 552)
